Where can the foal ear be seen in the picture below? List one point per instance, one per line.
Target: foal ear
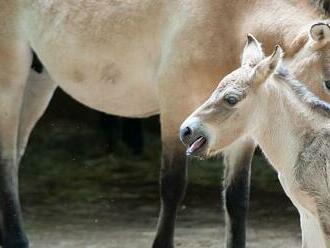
(252, 53)
(320, 32)
(267, 66)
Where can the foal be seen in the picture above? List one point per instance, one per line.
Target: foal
(261, 100)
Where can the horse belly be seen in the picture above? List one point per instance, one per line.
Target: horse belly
(120, 82)
(128, 92)
(104, 54)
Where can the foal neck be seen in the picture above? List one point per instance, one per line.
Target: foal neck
(283, 122)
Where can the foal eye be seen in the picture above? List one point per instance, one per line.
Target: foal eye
(327, 84)
(232, 100)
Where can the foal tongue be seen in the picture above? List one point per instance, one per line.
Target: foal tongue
(196, 145)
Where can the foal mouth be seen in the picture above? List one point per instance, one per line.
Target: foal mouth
(197, 146)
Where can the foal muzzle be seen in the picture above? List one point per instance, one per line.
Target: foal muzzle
(193, 136)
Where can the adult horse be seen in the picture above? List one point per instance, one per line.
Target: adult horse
(136, 59)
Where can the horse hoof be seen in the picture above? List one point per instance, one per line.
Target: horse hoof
(159, 244)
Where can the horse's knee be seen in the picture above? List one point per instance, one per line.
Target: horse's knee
(237, 162)
(173, 176)
(237, 180)
(8, 173)
(237, 194)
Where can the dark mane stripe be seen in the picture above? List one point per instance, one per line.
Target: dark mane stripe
(303, 93)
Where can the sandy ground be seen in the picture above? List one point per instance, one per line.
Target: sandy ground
(133, 226)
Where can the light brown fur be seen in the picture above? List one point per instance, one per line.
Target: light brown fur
(132, 58)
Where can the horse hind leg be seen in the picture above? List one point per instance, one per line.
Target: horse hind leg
(38, 93)
(15, 59)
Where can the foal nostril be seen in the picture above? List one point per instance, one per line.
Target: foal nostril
(185, 133)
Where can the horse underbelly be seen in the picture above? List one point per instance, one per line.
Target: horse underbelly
(116, 81)
(112, 92)
(106, 59)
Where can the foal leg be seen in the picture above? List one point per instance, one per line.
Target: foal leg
(324, 217)
(311, 229)
(237, 161)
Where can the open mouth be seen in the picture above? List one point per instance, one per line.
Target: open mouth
(197, 146)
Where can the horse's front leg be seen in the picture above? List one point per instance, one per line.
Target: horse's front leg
(237, 161)
(175, 107)
(173, 178)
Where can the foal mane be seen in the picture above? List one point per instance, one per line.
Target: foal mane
(303, 93)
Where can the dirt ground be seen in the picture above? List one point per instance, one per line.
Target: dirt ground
(133, 226)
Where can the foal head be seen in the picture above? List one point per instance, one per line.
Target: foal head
(227, 115)
(230, 104)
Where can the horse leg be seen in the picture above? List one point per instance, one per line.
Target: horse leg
(38, 93)
(173, 178)
(15, 57)
(36, 96)
(173, 174)
(237, 161)
(182, 88)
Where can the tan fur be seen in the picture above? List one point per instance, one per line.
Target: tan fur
(133, 49)
(133, 58)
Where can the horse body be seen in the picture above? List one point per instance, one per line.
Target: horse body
(134, 43)
(134, 59)
(99, 52)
